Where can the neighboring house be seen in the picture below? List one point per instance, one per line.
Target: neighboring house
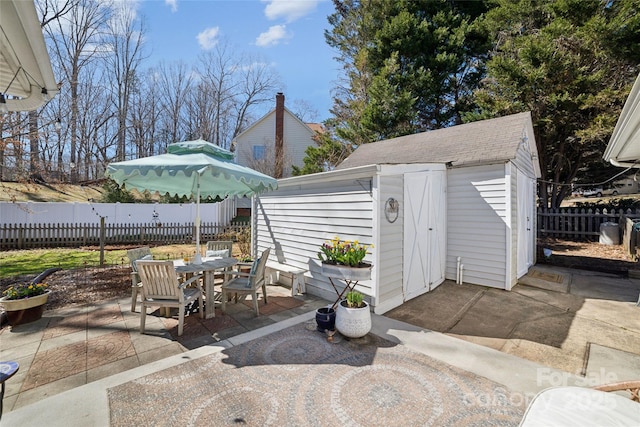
(275, 142)
(455, 203)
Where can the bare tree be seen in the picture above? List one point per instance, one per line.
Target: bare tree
(217, 69)
(173, 84)
(77, 38)
(258, 83)
(125, 40)
(201, 113)
(305, 111)
(236, 84)
(96, 115)
(49, 11)
(143, 115)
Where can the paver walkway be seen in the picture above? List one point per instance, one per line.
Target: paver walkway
(74, 346)
(558, 322)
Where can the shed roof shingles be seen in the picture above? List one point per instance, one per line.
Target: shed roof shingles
(481, 142)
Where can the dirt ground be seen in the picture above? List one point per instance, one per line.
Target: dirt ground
(94, 285)
(586, 256)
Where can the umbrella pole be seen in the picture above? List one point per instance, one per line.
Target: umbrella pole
(198, 257)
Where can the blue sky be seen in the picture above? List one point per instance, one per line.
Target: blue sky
(288, 34)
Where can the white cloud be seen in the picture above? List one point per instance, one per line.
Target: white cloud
(272, 36)
(290, 10)
(208, 38)
(173, 4)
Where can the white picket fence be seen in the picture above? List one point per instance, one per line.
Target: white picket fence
(36, 236)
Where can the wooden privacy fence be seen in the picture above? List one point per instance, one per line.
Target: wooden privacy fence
(579, 223)
(30, 236)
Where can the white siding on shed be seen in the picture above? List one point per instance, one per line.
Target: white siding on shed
(390, 242)
(477, 222)
(296, 220)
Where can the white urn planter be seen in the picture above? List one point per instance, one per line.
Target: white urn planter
(353, 322)
(344, 272)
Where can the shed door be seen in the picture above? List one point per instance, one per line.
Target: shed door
(526, 231)
(423, 238)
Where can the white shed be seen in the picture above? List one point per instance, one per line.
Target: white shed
(465, 196)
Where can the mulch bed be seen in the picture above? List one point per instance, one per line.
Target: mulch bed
(586, 256)
(88, 285)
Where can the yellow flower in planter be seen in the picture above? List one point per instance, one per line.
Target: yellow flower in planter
(24, 290)
(343, 252)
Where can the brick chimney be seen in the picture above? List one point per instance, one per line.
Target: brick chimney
(279, 151)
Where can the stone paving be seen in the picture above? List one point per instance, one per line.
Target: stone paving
(74, 346)
(569, 324)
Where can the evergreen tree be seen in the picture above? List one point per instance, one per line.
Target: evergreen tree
(113, 193)
(571, 63)
(408, 66)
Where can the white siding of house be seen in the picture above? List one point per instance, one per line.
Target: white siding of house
(297, 137)
(477, 224)
(296, 220)
(261, 133)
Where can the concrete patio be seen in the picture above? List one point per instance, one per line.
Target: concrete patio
(558, 327)
(71, 347)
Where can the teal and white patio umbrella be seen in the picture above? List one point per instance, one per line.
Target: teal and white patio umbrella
(191, 168)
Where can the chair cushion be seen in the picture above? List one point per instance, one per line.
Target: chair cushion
(134, 266)
(578, 406)
(222, 253)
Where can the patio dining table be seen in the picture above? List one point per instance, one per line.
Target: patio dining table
(208, 266)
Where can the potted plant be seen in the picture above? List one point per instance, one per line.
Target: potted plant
(343, 259)
(24, 302)
(353, 318)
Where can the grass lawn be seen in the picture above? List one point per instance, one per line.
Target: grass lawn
(35, 261)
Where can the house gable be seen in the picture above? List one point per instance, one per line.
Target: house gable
(297, 136)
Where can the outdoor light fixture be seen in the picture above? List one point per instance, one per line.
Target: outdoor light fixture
(45, 95)
(58, 124)
(3, 104)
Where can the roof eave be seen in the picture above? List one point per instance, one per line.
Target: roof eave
(624, 146)
(24, 53)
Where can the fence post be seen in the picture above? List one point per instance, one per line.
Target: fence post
(102, 236)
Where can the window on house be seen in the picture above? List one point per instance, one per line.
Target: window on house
(258, 152)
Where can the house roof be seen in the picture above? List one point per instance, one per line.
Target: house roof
(481, 142)
(624, 146)
(316, 127)
(266, 117)
(24, 60)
